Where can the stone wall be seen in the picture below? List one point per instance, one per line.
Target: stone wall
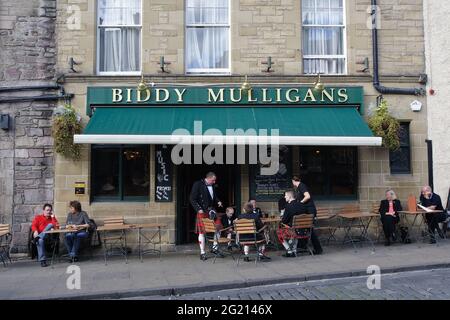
(437, 28)
(27, 57)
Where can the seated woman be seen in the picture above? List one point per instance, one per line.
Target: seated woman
(250, 214)
(79, 221)
(388, 210)
(226, 222)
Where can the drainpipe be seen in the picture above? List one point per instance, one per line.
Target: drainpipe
(376, 79)
(430, 163)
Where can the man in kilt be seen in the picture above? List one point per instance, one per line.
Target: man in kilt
(204, 198)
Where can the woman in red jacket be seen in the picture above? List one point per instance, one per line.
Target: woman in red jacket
(41, 223)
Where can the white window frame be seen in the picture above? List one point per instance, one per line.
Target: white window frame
(118, 73)
(344, 35)
(207, 71)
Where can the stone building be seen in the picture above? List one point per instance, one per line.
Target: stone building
(437, 48)
(28, 94)
(211, 46)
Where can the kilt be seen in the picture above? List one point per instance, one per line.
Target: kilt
(199, 226)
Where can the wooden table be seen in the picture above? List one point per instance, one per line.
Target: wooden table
(148, 240)
(358, 220)
(413, 226)
(56, 239)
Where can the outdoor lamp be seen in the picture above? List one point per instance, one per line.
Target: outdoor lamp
(142, 86)
(246, 87)
(318, 85)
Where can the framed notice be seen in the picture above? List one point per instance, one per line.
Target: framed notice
(163, 174)
(272, 187)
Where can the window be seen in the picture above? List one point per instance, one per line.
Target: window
(330, 172)
(120, 173)
(400, 160)
(119, 37)
(207, 36)
(323, 37)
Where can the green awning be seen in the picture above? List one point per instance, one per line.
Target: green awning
(170, 124)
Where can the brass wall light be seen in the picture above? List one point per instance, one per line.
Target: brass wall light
(246, 87)
(318, 85)
(142, 86)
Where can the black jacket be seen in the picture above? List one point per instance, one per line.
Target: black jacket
(435, 200)
(225, 223)
(292, 209)
(200, 197)
(384, 207)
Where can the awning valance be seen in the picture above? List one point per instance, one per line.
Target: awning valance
(331, 126)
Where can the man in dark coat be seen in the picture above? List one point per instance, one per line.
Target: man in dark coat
(433, 201)
(203, 199)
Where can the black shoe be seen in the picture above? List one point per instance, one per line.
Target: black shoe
(432, 241)
(75, 259)
(288, 255)
(203, 257)
(246, 259)
(441, 234)
(264, 258)
(387, 243)
(317, 252)
(44, 263)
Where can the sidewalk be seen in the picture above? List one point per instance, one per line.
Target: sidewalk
(183, 272)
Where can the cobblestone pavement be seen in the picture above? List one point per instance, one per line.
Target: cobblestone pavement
(416, 285)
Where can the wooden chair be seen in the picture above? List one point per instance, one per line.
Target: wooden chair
(115, 239)
(5, 243)
(302, 226)
(212, 236)
(322, 223)
(247, 235)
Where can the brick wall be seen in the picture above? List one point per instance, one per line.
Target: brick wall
(27, 57)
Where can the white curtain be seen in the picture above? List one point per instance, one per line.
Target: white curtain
(207, 44)
(119, 46)
(323, 40)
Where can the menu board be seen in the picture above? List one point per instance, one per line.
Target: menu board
(272, 187)
(163, 173)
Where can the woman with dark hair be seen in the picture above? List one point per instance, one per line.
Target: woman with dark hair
(77, 220)
(388, 210)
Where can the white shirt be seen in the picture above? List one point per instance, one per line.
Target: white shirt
(211, 192)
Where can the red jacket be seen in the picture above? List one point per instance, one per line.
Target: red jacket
(41, 221)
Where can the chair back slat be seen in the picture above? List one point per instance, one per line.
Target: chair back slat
(5, 227)
(209, 225)
(116, 221)
(323, 212)
(245, 226)
(303, 221)
(351, 208)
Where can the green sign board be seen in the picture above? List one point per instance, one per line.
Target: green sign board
(223, 96)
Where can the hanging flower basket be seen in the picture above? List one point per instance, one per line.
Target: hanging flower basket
(384, 125)
(66, 123)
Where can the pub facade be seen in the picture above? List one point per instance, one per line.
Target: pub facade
(170, 90)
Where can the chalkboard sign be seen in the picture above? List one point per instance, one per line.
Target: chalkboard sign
(163, 174)
(272, 187)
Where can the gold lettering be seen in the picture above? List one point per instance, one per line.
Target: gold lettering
(309, 96)
(328, 95)
(158, 95)
(117, 95)
(128, 95)
(249, 98)
(180, 94)
(288, 95)
(139, 95)
(264, 92)
(212, 97)
(342, 93)
(233, 98)
(278, 96)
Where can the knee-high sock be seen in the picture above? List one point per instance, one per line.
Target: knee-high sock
(201, 243)
(262, 249)
(246, 250)
(229, 238)
(216, 244)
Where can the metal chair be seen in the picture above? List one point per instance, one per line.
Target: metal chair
(212, 236)
(114, 241)
(248, 235)
(324, 215)
(302, 226)
(5, 243)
